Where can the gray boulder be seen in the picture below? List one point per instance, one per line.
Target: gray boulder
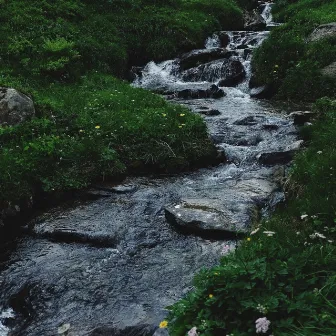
(330, 70)
(15, 107)
(323, 31)
(254, 21)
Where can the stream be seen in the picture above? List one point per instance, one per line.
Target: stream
(111, 265)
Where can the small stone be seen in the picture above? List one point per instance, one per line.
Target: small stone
(63, 329)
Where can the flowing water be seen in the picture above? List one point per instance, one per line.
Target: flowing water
(110, 266)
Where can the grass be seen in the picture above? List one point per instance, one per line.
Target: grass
(286, 270)
(97, 129)
(89, 125)
(288, 62)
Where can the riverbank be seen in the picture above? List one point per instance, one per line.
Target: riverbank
(281, 280)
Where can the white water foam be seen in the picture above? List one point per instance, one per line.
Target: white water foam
(4, 315)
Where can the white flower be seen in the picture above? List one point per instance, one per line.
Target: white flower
(317, 235)
(254, 231)
(193, 332)
(262, 325)
(319, 152)
(269, 233)
(304, 216)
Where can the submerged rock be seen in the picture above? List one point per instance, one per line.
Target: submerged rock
(210, 216)
(210, 112)
(15, 107)
(301, 117)
(194, 93)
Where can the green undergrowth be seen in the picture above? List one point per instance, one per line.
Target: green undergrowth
(97, 129)
(285, 270)
(288, 61)
(65, 38)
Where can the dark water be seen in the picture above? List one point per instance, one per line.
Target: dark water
(111, 266)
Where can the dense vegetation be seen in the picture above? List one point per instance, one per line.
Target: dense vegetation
(89, 125)
(281, 279)
(292, 63)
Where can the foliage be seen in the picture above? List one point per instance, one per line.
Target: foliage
(286, 270)
(97, 129)
(290, 63)
(61, 40)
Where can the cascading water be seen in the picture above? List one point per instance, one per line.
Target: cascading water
(111, 266)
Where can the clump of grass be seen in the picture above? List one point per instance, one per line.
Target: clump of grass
(288, 61)
(285, 270)
(97, 129)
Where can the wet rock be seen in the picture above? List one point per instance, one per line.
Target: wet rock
(233, 80)
(135, 72)
(224, 69)
(330, 70)
(15, 107)
(210, 112)
(279, 157)
(140, 330)
(161, 332)
(224, 38)
(301, 117)
(210, 216)
(323, 31)
(254, 21)
(213, 92)
(262, 92)
(249, 120)
(197, 57)
(270, 127)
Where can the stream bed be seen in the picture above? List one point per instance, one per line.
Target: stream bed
(110, 266)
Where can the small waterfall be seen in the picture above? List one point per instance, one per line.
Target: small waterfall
(158, 76)
(267, 13)
(5, 315)
(225, 61)
(212, 42)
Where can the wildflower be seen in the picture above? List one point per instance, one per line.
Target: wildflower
(254, 231)
(276, 66)
(97, 127)
(248, 239)
(319, 152)
(317, 235)
(210, 296)
(163, 324)
(164, 114)
(193, 332)
(182, 114)
(81, 131)
(225, 249)
(180, 126)
(262, 325)
(269, 233)
(303, 216)
(216, 273)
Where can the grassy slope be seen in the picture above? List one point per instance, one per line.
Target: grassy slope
(89, 125)
(290, 63)
(289, 276)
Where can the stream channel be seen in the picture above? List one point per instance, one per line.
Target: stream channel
(111, 265)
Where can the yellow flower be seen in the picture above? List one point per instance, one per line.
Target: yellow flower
(210, 296)
(216, 273)
(164, 114)
(81, 131)
(180, 126)
(182, 114)
(163, 324)
(277, 66)
(97, 127)
(248, 239)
